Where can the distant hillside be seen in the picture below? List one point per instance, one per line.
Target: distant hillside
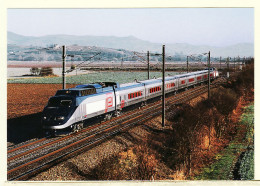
(131, 43)
(54, 53)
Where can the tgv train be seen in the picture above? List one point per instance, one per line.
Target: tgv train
(70, 107)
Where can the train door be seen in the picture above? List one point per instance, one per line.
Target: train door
(117, 99)
(145, 93)
(177, 83)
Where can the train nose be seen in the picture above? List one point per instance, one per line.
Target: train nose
(53, 120)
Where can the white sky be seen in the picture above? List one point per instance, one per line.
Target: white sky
(198, 26)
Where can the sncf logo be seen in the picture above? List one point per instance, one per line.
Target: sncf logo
(109, 101)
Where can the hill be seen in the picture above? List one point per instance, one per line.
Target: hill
(131, 43)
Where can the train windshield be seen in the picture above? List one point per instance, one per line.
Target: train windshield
(59, 102)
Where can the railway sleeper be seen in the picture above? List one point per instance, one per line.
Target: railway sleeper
(117, 113)
(108, 116)
(144, 103)
(78, 126)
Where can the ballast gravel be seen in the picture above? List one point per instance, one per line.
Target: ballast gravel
(79, 168)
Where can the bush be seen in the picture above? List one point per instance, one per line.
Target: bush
(35, 71)
(46, 71)
(245, 81)
(197, 127)
(246, 170)
(137, 163)
(224, 99)
(147, 163)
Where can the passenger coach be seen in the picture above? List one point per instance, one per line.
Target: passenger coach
(70, 107)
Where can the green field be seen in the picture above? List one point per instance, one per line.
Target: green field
(120, 77)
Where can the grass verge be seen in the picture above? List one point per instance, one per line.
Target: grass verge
(236, 161)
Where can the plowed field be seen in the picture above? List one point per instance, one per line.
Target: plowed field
(25, 99)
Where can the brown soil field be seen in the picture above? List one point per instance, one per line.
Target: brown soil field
(25, 99)
(25, 103)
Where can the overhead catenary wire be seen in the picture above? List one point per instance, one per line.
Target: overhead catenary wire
(84, 62)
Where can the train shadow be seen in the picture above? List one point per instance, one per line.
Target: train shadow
(24, 128)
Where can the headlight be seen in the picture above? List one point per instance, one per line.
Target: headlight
(44, 117)
(59, 118)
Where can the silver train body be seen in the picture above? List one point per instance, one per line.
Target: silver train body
(72, 106)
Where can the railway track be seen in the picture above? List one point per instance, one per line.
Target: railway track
(31, 158)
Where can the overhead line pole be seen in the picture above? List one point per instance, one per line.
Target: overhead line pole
(209, 95)
(63, 66)
(234, 64)
(227, 67)
(163, 86)
(148, 64)
(220, 62)
(147, 60)
(209, 76)
(187, 64)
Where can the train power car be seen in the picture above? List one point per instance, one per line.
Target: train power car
(69, 108)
